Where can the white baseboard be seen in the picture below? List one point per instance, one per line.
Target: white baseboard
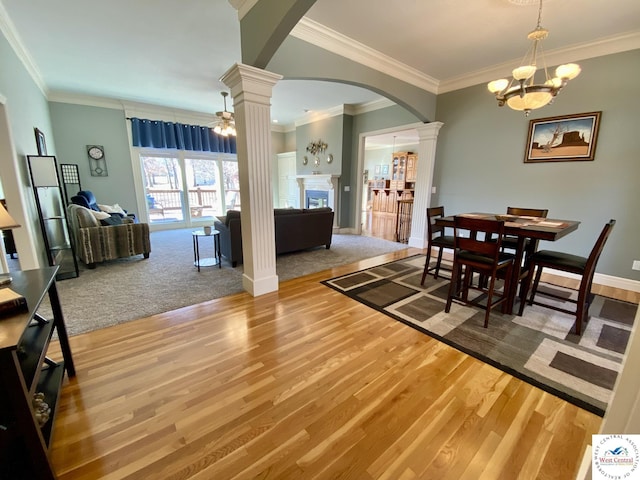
(602, 279)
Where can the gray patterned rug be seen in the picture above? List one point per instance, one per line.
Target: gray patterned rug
(130, 288)
(539, 347)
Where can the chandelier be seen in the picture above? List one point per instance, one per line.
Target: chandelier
(522, 92)
(226, 124)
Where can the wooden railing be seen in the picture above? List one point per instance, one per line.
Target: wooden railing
(403, 220)
(171, 198)
(207, 198)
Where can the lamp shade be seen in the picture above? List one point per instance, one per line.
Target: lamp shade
(6, 220)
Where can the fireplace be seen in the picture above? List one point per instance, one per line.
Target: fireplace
(316, 198)
(319, 191)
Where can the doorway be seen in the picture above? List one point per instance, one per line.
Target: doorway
(379, 207)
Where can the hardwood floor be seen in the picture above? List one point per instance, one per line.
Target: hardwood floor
(302, 383)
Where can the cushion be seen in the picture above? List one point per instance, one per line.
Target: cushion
(114, 219)
(112, 209)
(286, 211)
(318, 210)
(100, 215)
(231, 214)
(85, 217)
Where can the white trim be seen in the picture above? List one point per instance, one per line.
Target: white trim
(344, 110)
(87, 100)
(13, 37)
(373, 106)
(602, 279)
(332, 41)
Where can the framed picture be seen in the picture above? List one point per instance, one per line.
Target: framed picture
(376, 170)
(563, 139)
(385, 170)
(40, 142)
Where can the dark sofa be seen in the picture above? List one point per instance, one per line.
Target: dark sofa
(295, 229)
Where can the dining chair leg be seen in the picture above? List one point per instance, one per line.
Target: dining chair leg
(426, 265)
(536, 281)
(524, 290)
(453, 286)
(440, 250)
(582, 308)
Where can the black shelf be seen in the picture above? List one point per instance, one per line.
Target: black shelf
(26, 370)
(32, 351)
(50, 384)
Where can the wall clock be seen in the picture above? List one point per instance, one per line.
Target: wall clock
(97, 161)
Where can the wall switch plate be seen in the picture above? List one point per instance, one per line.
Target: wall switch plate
(347, 188)
(636, 265)
(433, 189)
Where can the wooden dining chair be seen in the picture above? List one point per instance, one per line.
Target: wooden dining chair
(566, 262)
(477, 249)
(436, 238)
(509, 241)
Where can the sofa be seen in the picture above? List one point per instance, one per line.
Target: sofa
(98, 239)
(295, 229)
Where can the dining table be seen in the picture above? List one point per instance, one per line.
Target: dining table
(522, 227)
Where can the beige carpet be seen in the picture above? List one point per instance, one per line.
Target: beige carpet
(126, 289)
(539, 347)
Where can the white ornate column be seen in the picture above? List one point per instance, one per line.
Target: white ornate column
(251, 89)
(428, 138)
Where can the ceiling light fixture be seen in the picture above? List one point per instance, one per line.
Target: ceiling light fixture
(226, 123)
(522, 93)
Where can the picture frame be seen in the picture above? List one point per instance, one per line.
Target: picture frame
(41, 142)
(385, 170)
(377, 170)
(566, 138)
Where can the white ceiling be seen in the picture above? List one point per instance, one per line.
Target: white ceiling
(173, 53)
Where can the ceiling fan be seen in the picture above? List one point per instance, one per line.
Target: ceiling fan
(226, 124)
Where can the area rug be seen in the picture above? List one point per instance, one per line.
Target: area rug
(539, 347)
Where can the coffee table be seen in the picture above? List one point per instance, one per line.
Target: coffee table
(208, 261)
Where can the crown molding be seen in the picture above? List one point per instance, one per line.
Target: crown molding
(332, 41)
(313, 117)
(352, 110)
(584, 51)
(13, 37)
(87, 100)
(373, 106)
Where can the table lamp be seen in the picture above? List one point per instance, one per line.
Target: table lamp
(6, 222)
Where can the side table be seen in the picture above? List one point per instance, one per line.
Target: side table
(209, 261)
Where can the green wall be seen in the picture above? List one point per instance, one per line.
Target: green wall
(75, 127)
(479, 160)
(26, 108)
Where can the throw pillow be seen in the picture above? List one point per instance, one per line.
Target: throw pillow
(112, 209)
(100, 215)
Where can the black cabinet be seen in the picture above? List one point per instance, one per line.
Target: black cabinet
(51, 212)
(28, 377)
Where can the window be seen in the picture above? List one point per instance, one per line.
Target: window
(189, 189)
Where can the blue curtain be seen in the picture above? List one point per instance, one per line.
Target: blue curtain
(158, 134)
